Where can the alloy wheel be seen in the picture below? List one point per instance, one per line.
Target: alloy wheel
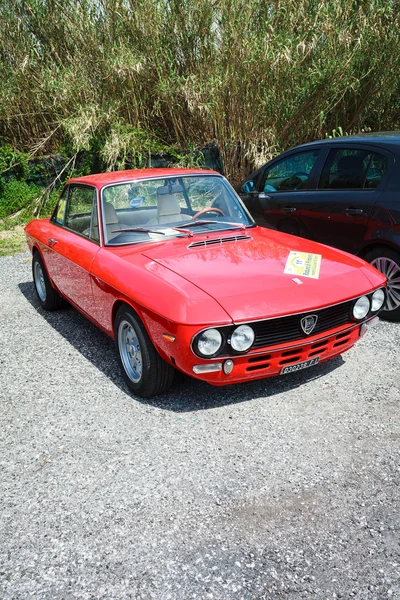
(391, 269)
(130, 351)
(39, 281)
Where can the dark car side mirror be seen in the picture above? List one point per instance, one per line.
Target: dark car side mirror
(248, 187)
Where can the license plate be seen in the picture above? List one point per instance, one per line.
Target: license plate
(299, 366)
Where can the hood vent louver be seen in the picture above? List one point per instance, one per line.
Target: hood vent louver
(219, 241)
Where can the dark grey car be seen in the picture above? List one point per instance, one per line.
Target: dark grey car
(344, 192)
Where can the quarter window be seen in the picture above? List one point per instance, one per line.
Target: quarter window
(352, 169)
(376, 170)
(82, 212)
(59, 211)
(291, 173)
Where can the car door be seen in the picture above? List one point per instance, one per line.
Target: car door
(351, 181)
(278, 194)
(74, 244)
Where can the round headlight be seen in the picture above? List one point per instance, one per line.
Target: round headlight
(361, 308)
(242, 338)
(209, 342)
(377, 300)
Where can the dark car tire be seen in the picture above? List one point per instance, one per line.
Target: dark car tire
(145, 372)
(48, 297)
(387, 261)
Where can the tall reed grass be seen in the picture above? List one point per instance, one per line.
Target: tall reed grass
(128, 77)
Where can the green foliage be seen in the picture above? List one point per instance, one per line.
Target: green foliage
(17, 195)
(336, 133)
(121, 80)
(13, 163)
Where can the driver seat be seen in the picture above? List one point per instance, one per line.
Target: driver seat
(168, 209)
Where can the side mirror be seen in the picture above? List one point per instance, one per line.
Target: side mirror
(249, 187)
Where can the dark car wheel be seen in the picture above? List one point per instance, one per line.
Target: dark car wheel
(388, 262)
(145, 372)
(48, 297)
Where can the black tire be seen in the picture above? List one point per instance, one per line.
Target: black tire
(387, 261)
(145, 372)
(48, 297)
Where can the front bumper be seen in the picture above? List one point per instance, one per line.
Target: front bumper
(269, 362)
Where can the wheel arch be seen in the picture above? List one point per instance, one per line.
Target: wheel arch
(377, 244)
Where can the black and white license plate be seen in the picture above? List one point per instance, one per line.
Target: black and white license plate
(299, 366)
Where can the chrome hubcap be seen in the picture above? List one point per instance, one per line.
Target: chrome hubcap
(391, 269)
(39, 281)
(130, 351)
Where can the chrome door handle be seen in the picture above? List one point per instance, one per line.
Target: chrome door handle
(289, 209)
(52, 241)
(354, 211)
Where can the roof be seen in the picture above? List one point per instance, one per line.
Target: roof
(383, 138)
(101, 179)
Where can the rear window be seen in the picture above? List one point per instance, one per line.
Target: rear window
(347, 168)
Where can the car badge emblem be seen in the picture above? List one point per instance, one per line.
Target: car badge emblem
(308, 323)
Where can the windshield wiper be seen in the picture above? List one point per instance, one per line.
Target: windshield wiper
(228, 223)
(141, 229)
(195, 223)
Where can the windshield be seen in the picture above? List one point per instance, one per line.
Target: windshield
(145, 210)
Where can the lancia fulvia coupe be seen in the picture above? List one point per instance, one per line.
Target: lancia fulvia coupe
(171, 265)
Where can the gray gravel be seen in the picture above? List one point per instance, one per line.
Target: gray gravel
(282, 489)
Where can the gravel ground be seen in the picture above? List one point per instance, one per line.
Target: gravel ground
(282, 489)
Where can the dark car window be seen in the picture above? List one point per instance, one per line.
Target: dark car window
(376, 170)
(290, 173)
(345, 169)
(82, 212)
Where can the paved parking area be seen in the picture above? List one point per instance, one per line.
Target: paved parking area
(282, 489)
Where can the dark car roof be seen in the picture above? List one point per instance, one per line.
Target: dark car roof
(384, 138)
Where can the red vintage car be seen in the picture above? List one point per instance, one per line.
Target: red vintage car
(170, 264)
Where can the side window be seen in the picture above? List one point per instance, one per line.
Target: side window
(376, 170)
(59, 211)
(291, 173)
(345, 169)
(81, 213)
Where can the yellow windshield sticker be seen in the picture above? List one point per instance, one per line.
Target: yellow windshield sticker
(303, 264)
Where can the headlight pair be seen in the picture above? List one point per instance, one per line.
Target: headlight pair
(209, 342)
(364, 305)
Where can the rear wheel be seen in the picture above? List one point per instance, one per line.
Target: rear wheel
(388, 262)
(145, 372)
(48, 297)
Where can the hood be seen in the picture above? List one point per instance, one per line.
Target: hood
(247, 276)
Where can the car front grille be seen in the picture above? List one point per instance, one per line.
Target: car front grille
(288, 329)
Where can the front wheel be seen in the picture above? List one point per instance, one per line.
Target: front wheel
(145, 372)
(388, 262)
(48, 297)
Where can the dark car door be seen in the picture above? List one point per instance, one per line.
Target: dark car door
(277, 194)
(333, 205)
(351, 182)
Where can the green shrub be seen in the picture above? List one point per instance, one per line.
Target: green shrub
(13, 164)
(17, 195)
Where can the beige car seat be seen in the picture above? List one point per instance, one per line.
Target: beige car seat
(168, 209)
(111, 221)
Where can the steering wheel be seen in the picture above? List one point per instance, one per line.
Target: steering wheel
(206, 210)
(298, 173)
